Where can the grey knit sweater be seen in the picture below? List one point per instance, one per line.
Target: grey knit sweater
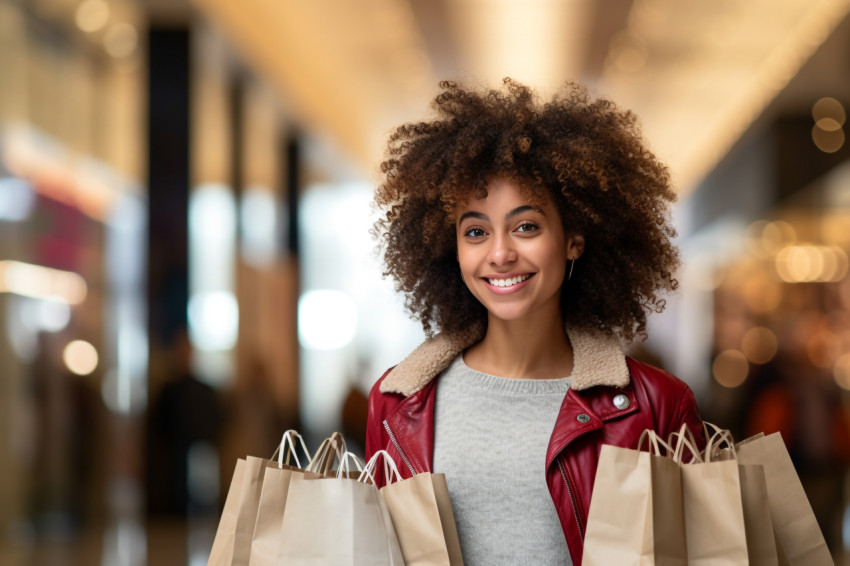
(490, 439)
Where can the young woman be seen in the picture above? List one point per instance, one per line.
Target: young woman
(531, 241)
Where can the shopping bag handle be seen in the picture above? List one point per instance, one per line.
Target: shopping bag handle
(343, 470)
(391, 474)
(287, 442)
(684, 438)
(655, 443)
(717, 440)
(323, 459)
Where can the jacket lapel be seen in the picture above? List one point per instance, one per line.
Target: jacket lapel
(598, 360)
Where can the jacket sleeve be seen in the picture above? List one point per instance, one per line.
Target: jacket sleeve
(688, 414)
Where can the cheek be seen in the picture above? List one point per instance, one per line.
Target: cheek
(556, 257)
(466, 264)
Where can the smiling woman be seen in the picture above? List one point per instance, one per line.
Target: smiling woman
(530, 240)
(584, 156)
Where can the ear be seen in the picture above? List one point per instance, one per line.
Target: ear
(575, 246)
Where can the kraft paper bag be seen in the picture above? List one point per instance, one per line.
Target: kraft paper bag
(222, 548)
(761, 544)
(338, 521)
(798, 537)
(264, 544)
(714, 514)
(636, 514)
(249, 502)
(447, 518)
(422, 515)
(266, 541)
(759, 540)
(239, 518)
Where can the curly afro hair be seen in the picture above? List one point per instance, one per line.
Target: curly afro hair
(582, 152)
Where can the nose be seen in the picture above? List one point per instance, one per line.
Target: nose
(502, 251)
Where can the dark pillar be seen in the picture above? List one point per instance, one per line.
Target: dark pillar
(168, 240)
(292, 190)
(168, 179)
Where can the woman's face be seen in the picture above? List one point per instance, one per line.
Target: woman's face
(513, 255)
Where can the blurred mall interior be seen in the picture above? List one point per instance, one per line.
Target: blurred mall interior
(186, 268)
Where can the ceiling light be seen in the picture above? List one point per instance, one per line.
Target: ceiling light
(828, 107)
(120, 41)
(92, 15)
(828, 141)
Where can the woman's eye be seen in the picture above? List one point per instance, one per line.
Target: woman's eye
(527, 227)
(474, 233)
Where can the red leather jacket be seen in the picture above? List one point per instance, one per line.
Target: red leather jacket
(592, 414)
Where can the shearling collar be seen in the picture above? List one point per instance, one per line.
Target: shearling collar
(598, 359)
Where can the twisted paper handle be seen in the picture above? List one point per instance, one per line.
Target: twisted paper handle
(331, 449)
(390, 469)
(286, 442)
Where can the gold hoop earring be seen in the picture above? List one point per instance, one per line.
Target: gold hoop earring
(572, 264)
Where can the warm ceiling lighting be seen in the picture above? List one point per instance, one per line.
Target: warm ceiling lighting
(809, 263)
(764, 239)
(829, 108)
(827, 141)
(41, 282)
(120, 41)
(92, 15)
(829, 116)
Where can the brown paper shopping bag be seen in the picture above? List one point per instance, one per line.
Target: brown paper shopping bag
(726, 511)
(422, 515)
(761, 543)
(636, 513)
(799, 538)
(238, 531)
(714, 514)
(340, 521)
(222, 548)
(235, 533)
(266, 539)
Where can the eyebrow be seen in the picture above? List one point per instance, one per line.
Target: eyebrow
(508, 216)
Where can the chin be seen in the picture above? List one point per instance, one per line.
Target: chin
(507, 315)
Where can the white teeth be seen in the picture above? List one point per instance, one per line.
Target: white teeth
(509, 281)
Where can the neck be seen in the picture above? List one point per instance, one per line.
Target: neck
(526, 349)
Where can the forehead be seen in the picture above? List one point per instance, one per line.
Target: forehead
(501, 192)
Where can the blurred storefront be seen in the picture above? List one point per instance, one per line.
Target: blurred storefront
(72, 258)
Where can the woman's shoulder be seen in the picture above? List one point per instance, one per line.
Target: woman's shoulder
(654, 379)
(661, 388)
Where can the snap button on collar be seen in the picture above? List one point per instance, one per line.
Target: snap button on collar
(582, 418)
(622, 402)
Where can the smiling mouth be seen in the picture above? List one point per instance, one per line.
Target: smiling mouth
(510, 281)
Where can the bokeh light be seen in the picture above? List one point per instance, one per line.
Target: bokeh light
(730, 368)
(811, 263)
(327, 319)
(120, 40)
(828, 141)
(80, 357)
(92, 15)
(829, 108)
(759, 345)
(841, 371)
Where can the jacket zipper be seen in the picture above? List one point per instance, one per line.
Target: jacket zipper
(572, 498)
(398, 448)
